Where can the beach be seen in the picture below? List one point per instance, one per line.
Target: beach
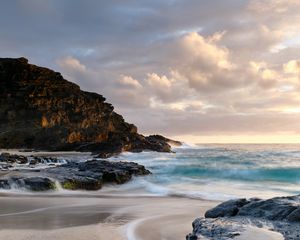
(159, 206)
(83, 216)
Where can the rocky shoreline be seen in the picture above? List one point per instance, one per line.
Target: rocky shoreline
(87, 175)
(231, 218)
(40, 110)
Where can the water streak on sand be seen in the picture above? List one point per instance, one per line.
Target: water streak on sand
(131, 216)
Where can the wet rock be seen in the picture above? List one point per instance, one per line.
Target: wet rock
(4, 184)
(281, 214)
(90, 175)
(227, 209)
(272, 209)
(163, 140)
(33, 161)
(29, 183)
(5, 167)
(39, 184)
(12, 158)
(21, 159)
(294, 216)
(8, 160)
(4, 157)
(214, 229)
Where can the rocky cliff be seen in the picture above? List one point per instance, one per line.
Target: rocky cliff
(39, 109)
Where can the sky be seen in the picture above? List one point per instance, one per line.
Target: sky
(201, 71)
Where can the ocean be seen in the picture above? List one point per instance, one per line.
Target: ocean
(219, 171)
(208, 171)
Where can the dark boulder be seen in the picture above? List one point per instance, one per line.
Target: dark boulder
(294, 216)
(38, 184)
(29, 183)
(227, 209)
(280, 214)
(272, 209)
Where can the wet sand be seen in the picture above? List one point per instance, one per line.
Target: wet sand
(102, 217)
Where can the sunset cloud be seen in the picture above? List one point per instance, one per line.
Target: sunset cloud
(130, 82)
(71, 64)
(292, 66)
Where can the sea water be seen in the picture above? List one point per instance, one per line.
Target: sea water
(210, 172)
(219, 172)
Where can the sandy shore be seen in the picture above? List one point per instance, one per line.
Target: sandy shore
(104, 216)
(97, 217)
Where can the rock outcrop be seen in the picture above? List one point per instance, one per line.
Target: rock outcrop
(229, 219)
(39, 109)
(89, 175)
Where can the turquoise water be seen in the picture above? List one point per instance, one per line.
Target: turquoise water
(221, 171)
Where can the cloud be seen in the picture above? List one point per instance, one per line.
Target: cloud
(166, 88)
(71, 64)
(292, 66)
(128, 81)
(175, 67)
(199, 61)
(158, 82)
(275, 6)
(267, 77)
(205, 52)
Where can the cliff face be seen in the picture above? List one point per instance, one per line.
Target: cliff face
(40, 109)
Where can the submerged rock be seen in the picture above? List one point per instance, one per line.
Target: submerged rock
(39, 109)
(9, 161)
(281, 214)
(29, 183)
(12, 158)
(89, 175)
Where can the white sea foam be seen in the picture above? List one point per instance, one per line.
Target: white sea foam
(130, 229)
